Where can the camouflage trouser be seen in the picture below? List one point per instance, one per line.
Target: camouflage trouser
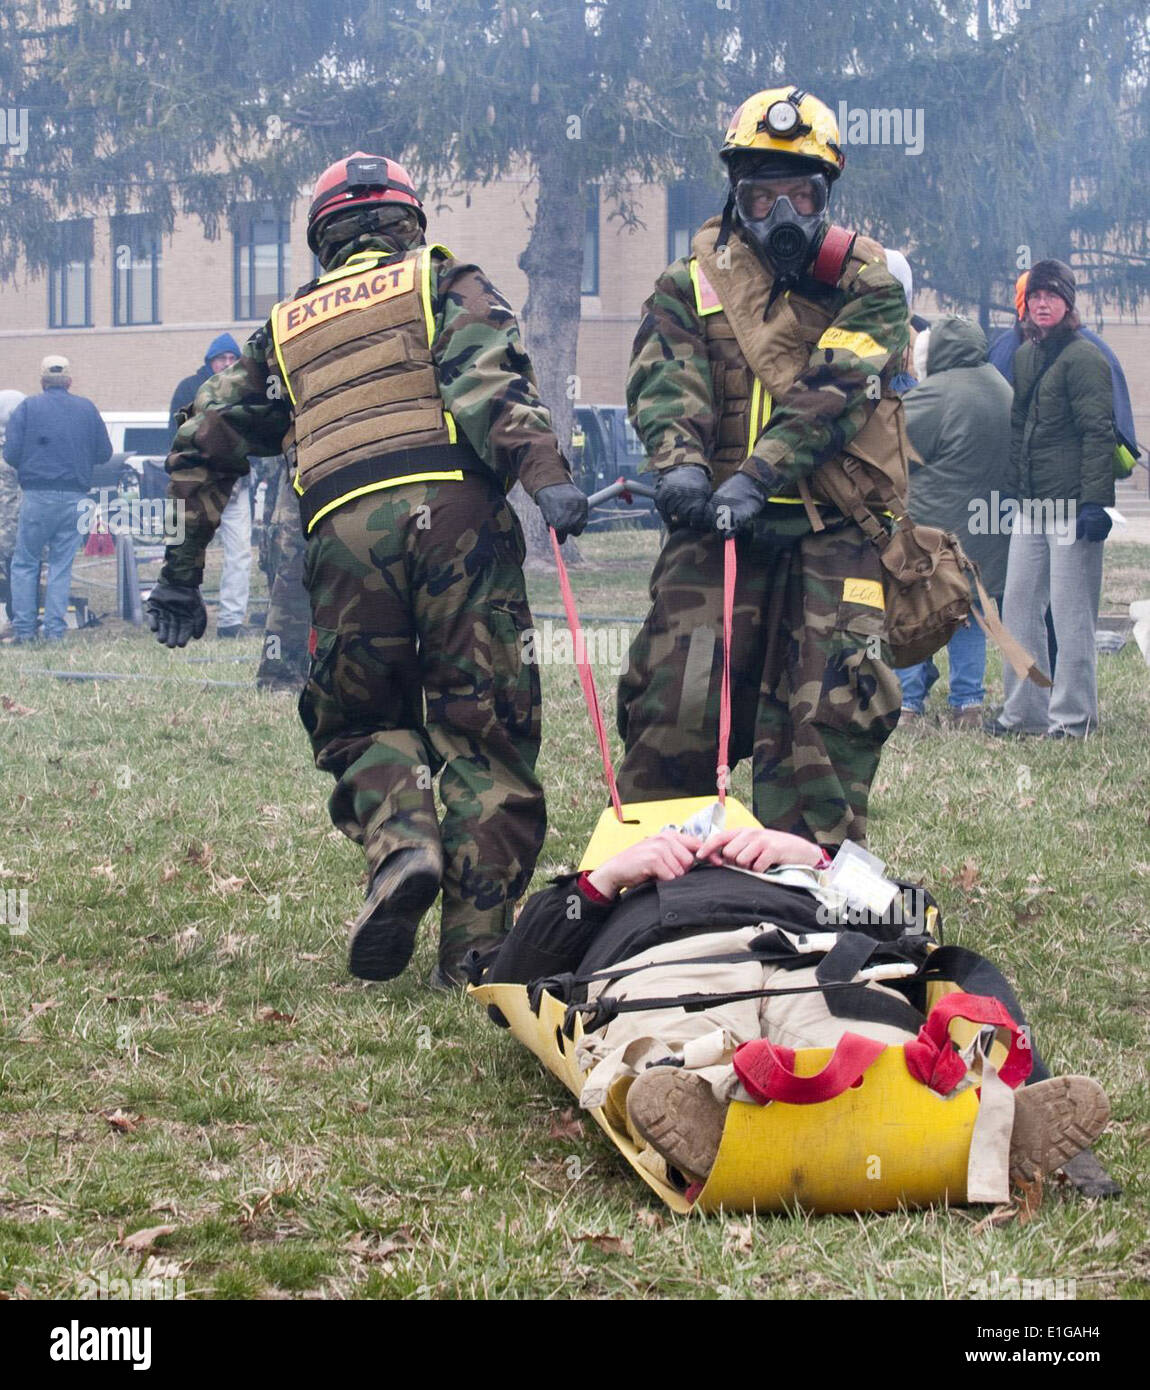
(284, 661)
(811, 697)
(417, 596)
(9, 523)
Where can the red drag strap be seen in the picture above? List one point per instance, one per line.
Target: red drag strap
(723, 770)
(768, 1072)
(933, 1058)
(586, 679)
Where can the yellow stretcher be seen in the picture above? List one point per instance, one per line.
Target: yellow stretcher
(889, 1142)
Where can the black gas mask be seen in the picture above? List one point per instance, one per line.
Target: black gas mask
(784, 214)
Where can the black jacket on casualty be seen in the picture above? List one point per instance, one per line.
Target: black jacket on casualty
(561, 931)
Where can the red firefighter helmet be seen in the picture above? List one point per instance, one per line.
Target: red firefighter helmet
(359, 181)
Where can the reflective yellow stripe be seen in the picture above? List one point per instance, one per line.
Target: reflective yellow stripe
(454, 476)
(280, 357)
(700, 308)
(449, 421)
(861, 344)
(753, 431)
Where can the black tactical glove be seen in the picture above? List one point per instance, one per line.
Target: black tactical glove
(176, 613)
(1094, 522)
(682, 494)
(564, 507)
(736, 504)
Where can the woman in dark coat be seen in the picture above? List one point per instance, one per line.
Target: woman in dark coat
(1062, 473)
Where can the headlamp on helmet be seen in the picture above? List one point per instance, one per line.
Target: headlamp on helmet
(783, 119)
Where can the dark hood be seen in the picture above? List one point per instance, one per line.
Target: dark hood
(955, 342)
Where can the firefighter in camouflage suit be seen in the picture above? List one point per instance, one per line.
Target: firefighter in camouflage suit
(762, 357)
(397, 386)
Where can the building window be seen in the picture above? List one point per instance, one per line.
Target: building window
(590, 283)
(135, 270)
(70, 276)
(261, 260)
(689, 205)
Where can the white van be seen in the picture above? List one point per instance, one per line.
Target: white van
(138, 437)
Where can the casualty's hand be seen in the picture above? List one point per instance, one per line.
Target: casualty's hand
(664, 856)
(736, 504)
(176, 613)
(757, 849)
(564, 507)
(682, 494)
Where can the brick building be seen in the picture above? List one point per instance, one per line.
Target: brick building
(134, 313)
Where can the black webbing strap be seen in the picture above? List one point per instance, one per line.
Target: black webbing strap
(606, 1008)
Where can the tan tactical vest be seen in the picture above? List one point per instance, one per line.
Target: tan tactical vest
(753, 362)
(355, 353)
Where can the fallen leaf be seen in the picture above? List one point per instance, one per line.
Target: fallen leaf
(44, 1007)
(11, 707)
(309, 956)
(145, 1239)
(186, 941)
(566, 1127)
(122, 1121)
(738, 1235)
(651, 1219)
(269, 1015)
(968, 876)
(205, 1008)
(103, 871)
(610, 1245)
(358, 1107)
(1031, 1199)
(998, 1217)
(223, 886)
(200, 855)
(169, 872)
(1104, 1242)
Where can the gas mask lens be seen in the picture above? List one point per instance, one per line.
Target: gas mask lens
(756, 197)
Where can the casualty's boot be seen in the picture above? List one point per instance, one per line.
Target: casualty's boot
(676, 1112)
(401, 890)
(1053, 1121)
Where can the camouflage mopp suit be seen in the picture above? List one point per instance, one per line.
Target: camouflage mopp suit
(813, 698)
(419, 611)
(9, 503)
(284, 659)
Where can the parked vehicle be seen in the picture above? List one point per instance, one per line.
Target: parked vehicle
(604, 447)
(140, 443)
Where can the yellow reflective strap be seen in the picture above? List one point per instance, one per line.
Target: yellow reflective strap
(279, 353)
(454, 475)
(861, 344)
(753, 431)
(425, 286)
(449, 421)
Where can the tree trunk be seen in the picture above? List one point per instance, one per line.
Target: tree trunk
(553, 264)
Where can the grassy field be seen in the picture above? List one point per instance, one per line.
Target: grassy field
(183, 1054)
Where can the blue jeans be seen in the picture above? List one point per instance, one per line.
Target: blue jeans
(966, 652)
(47, 518)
